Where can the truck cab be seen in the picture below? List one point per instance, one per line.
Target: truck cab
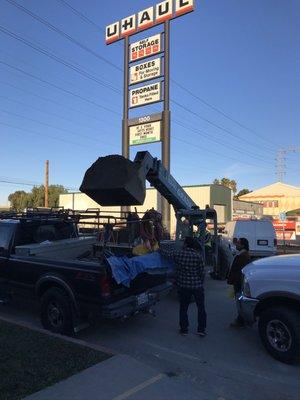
(271, 296)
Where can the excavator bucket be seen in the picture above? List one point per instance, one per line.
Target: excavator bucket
(115, 181)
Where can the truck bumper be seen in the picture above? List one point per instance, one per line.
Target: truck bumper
(134, 304)
(246, 307)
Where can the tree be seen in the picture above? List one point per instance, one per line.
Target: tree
(242, 192)
(36, 198)
(231, 183)
(19, 200)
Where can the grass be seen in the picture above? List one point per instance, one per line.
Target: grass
(31, 361)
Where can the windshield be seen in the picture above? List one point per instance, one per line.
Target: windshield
(6, 231)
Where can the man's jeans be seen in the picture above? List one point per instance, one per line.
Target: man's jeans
(185, 297)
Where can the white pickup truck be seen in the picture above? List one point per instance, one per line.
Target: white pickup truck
(271, 296)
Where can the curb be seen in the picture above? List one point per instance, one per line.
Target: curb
(69, 339)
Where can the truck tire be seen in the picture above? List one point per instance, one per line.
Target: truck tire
(279, 330)
(56, 311)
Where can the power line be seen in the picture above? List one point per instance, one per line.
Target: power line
(214, 124)
(216, 109)
(62, 33)
(79, 112)
(212, 151)
(43, 81)
(118, 91)
(55, 115)
(11, 181)
(203, 133)
(49, 136)
(59, 88)
(81, 15)
(54, 127)
(52, 27)
(58, 59)
(280, 161)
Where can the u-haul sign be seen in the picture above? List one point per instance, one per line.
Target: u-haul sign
(147, 18)
(145, 95)
(145, 133)
(145, 71)
(145, 48)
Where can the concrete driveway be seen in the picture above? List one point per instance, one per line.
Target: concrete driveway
(227, 364)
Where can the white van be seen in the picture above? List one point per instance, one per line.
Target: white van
(260, 234)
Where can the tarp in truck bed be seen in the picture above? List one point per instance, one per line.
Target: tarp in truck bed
(125, 269)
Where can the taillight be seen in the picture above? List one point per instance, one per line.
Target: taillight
(105, 286)
(275, 242)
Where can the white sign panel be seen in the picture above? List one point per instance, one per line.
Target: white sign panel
(147, 18)
(145, 95)
(145, 71)
(164, 11)
(184, 7)
(145, 48)
(145, 133)
(128, 25)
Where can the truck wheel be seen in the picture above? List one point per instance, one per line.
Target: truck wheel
(56, 311)
(279, 330)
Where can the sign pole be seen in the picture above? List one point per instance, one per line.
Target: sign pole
(125, 136)
(166, 121)
(125, 129)
(283, 235)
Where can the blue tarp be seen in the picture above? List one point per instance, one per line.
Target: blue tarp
(125, 269)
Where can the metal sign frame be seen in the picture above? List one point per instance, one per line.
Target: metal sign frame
(179, 8)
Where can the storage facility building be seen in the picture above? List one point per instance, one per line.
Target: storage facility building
(276, 198)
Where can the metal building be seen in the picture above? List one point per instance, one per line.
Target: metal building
(247, 210)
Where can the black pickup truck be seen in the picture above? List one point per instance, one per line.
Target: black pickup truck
(47, 259)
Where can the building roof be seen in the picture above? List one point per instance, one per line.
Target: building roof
(277, 189)
(293, 213)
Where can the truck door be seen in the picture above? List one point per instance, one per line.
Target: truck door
(6, 239)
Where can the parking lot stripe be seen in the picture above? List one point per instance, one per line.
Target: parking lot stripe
(139, 387)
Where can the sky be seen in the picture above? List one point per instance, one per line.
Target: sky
(235, 80)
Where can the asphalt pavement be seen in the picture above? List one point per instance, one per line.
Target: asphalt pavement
(227, 364)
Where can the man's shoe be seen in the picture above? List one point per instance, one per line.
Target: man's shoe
(201, 333)
(183, 332)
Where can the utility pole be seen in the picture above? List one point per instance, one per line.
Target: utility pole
(280, 161)
(46, 184)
